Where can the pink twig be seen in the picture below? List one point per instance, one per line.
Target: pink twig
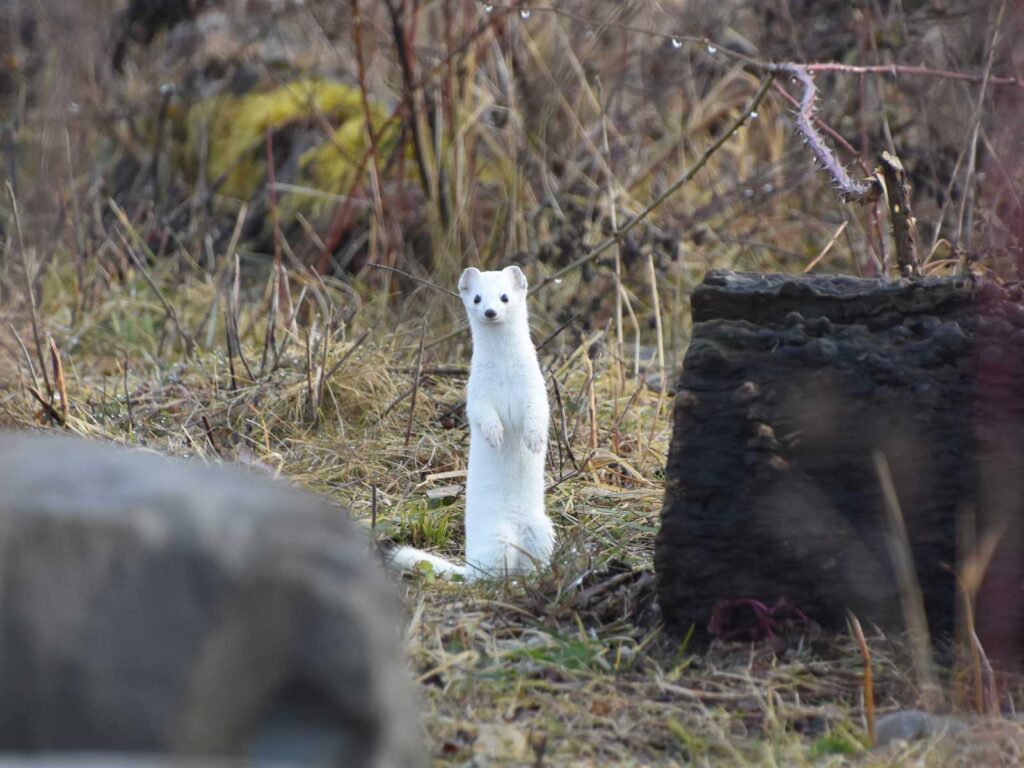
(849, 189)
(895, 70)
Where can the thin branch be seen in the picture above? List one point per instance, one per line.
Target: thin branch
(29, 286)
(895, 70)
(901, 217)
(713, 47)
(416, 384)
(413, 277)
(671, 190)
(348, 353)
(972, 153)
(867, 683)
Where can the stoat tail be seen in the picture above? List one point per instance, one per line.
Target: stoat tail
(408, 559)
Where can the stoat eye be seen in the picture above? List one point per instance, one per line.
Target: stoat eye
(476, 299)
(504, 298)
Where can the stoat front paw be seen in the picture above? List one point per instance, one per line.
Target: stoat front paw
(534, 440)
(494, 433)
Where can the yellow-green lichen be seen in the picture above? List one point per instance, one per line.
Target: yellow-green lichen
(237, 126)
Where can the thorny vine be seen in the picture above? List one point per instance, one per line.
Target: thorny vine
(849, 189)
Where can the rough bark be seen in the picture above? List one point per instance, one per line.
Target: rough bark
(789, 388)
(155, 605)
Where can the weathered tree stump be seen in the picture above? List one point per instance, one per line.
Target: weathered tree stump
(789, 389)
(153, 605)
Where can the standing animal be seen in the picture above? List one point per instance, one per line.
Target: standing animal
(507, 530)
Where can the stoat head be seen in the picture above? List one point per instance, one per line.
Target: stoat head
(493, 297)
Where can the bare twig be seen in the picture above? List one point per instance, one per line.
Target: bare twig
(828, 247)
(416, 383)
(269, 343)
(127, 394)
(973, 562)
(663, 388)
(373, 508)
(396, 402)
(992, 700)
(868, 681)
(671, 190)
(966, 213)
(29, 286)
(348, 353)
(413, 277)
(554, 334)
(411, 97)
(275, 223)
(172, 314)
(896, 70)
(234, 307)
(166, 93)
(371, 138)
(901, 217)
(564, 434)
(909, 587)
(715, 48)
(322, 383)
(25, 355)
(230, 341)
(58, 381)
(208, 431)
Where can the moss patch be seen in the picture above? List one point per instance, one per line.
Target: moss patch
(237, 127)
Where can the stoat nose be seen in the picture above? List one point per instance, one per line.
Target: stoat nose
(490, 314)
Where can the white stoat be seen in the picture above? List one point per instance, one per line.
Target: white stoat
(507, 531)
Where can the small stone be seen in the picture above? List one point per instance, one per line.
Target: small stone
(821, 350)
(910, 725)
(990, 292)
(501, 742)
(747, 392)
(794, 320)
(914, 724)
(992, 357)
(820, 326)
(951, 337)
(922, 324)
(885, 321)
(686, 399)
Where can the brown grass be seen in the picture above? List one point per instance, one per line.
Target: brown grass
(173, 331)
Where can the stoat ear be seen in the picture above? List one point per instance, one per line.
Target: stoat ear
(518, 278)
(468, 276)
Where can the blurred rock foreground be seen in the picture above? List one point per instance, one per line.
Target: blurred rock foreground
(155, 605)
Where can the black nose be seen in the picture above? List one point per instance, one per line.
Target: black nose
(490, 313)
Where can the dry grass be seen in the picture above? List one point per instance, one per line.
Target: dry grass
(569, 668)
(181, 330)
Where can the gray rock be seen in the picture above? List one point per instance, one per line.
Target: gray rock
(114, 760)
(910, 725)
(914, 724)
(155, 605)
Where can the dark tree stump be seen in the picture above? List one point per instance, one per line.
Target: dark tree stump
(789, 388)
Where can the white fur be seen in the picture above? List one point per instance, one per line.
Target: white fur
(507, 530)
